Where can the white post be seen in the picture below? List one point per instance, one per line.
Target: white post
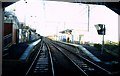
(102, 45)
(102, 49)
(88, 16)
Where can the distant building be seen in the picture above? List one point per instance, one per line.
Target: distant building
(72, 36)
(11, 26)
(15, 31)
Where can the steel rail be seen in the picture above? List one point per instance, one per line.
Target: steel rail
(69, 59)
(34, 59)
(89, 61)
(51, 60)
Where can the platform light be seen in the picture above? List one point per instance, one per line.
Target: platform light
(101, 31)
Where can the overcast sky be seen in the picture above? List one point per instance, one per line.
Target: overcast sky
(51, 17)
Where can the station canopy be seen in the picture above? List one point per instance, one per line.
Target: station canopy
(67, 31)
(113, 5)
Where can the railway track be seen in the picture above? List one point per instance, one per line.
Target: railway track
(86, 67)
(112, 69)
(62, 65)
(55, 60)
(42, 64)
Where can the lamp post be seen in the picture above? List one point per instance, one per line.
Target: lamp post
(26, 34)
(25, 13)
(88, 16)
(101, 31)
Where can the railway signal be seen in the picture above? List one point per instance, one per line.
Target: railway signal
(101, 31)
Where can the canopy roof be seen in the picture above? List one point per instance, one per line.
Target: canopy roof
(112, 5)
(66, 31)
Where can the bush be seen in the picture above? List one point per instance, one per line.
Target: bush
(98, 46)
(111, 47)
(111, 42)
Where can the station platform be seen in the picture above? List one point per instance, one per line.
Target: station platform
(20, 50)
(14, 62)
(95, 55)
